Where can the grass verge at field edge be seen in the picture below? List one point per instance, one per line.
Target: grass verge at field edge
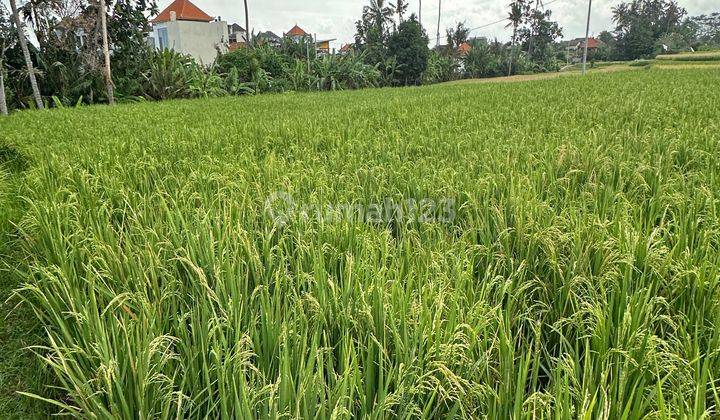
(20, 370)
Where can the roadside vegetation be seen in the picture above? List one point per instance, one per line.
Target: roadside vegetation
(577, 278)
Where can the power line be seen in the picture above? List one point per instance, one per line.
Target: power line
(504, 19)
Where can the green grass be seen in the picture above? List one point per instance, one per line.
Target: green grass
(18, 328)
(579, 279)
(593, 66)
(639, 63)
(696, 56)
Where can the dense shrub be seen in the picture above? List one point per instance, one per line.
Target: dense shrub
(409, 46)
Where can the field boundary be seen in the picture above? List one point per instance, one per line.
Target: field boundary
(20, 370)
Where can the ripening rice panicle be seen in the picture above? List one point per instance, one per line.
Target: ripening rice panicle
(578, 277)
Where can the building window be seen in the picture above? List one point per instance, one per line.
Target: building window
(163, 39)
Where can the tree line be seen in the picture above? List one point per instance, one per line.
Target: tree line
(645, 28)
(95, 51)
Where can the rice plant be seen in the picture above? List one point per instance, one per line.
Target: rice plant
(578, 277)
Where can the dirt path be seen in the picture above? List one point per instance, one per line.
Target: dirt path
(545, 76)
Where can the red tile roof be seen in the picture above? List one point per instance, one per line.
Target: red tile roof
(184, 10)
(593, 43)
(346, 48)
(296, 31)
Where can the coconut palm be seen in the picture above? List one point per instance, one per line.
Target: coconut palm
(381, 14)
(5, 44)
(401, 8)
(3, 101)
(515, 17)
(533, 26)
(106, 53)
(26, 54)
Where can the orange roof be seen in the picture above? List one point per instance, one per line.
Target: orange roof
(593, 43)
(184, 10)
(464, 48)
(346, 48)
(296, 31)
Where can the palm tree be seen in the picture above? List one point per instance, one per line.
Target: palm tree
(534, 25)
(106, 52)
(26, 54)
(380, 14)
(3, 102)
(5, 36)
(515, 17)
(457, 36)
(248, 35)
(401, 8)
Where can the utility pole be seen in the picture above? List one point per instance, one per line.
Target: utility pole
(587, 37)
(248, 34)
(437, 41)
(420, 12)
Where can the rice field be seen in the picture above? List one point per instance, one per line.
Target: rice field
(551, 250)
(691, 56)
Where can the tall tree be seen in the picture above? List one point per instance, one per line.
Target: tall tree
(537, 36)
(409, 46)
(457, 35)
(517, 13)
(6, 42)
(26, 54)
(707, 28)
(3, 101)
(382, 15)
(641, 23)
(106, 53)
(533, 25)
(401, 8)
(373, 30)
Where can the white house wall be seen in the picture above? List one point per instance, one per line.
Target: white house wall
(201, 40)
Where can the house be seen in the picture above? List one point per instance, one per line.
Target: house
(579, 44)
(237, 33)
(237, 37)
(73, 30)
(576, 48)
(297, 34)
(323, 46)
(184, 28)
(268, 38)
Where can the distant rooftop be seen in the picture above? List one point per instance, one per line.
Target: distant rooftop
(296, 31)
(184, 10)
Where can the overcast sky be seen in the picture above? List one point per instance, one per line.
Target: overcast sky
(336, 18)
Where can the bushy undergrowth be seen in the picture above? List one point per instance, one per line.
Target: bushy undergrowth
(579, 278)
